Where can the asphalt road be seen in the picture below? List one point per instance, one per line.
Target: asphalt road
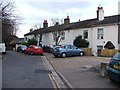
(24, 71)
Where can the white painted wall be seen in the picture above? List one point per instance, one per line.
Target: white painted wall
(29, 37)
(47, 39)
(110, 34)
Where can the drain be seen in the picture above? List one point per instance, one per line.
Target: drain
(42, 71)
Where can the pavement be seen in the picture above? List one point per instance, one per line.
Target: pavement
(82, 72)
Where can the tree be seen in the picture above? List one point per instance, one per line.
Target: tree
(57, 35)
(79, 42)
(9, 21)
(32, 42)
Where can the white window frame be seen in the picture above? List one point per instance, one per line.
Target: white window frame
(85, 36)
(100, 33)
(62, 35)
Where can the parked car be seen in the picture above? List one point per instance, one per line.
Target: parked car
(32, 49)
(21, 48)
(113, 69)
(47, 49)
(2, 48)
(67, 50)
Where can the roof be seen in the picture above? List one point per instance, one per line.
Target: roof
(93, 22)
(17, 41)
(81, 24)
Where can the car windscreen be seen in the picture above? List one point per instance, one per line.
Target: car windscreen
(24, 46)
(37, 46)
(116, 56)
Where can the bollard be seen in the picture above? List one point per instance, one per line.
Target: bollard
(103, 69)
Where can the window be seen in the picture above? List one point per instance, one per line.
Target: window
(100, 33)
(54, 35)
(63, 35)
(85, 34)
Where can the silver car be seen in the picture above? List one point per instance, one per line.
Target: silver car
(67, 50)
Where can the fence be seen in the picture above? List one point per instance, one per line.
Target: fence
(108, 52)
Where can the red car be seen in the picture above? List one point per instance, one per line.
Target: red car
(32, 49)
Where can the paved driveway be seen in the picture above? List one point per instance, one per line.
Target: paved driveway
(82, 72)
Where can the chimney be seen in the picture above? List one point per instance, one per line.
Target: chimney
(31, 30)
(45, 24)
(67, 20)
(100, 14)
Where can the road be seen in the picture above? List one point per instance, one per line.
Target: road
(25, 71)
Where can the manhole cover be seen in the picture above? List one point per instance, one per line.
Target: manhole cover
(42, 71)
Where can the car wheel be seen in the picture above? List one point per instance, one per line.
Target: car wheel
(32, 53)
(111, 80)
(55, 55)
(25, 52)
(81, 53)
(63, 55)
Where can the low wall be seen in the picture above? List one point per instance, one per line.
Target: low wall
(88, 51)
(108, 52)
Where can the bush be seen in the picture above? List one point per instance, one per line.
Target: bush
(24, 43)
(80, 43)
(31, 42)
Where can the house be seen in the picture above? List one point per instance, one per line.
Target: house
(97, 31)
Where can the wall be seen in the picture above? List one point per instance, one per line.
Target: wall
(70, 35)
(28, 37)
(110, 34)
(47, 39)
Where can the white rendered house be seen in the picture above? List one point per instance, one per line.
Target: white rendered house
(97, 31)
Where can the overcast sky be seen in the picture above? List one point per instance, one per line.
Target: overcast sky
(34, 12)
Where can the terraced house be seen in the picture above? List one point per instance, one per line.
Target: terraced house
(98, 31)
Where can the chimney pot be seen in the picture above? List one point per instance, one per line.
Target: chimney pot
(101, 7)
(68, 17)
(98, 8)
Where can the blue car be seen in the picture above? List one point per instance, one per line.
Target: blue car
(67, 50)
(113, 68)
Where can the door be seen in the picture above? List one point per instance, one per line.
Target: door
(99, 48)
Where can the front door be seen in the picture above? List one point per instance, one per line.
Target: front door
(99, 48)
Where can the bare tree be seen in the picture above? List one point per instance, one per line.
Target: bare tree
(58, 23)
(9, 21)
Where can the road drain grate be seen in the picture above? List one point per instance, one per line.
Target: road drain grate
(42, 71)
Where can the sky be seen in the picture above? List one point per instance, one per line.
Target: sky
(34, 12)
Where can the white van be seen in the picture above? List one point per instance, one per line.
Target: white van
(2, 48)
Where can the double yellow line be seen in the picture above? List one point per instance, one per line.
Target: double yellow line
(56, 86)
(55, 83)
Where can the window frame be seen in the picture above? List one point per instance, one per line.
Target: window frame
(85, 34)
(100, 33)
(62, 35)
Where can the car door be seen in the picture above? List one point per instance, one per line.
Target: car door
(69, 50)
(75, 50)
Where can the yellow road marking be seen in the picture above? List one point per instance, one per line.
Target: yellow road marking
(58, 86)
(53, 80)
(54, 86)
